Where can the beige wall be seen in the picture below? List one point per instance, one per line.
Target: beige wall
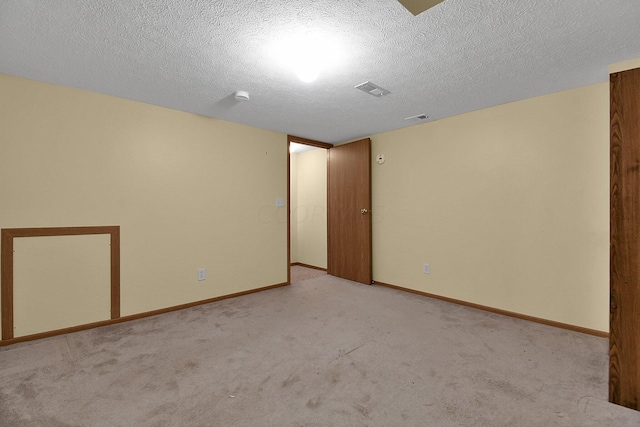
(509, 206)
(624, 66)
(188, 191)
(310, 211)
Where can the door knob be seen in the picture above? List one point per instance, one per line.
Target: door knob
(363, 211)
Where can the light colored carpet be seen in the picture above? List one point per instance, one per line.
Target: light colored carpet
(300, 273)
(324, 352)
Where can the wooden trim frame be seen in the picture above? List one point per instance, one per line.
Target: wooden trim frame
(6, 259)
(553, 323)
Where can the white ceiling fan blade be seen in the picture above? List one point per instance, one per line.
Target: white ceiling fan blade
(418, 6)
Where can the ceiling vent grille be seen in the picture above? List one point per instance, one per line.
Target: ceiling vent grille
(372, 89)
(418, 117)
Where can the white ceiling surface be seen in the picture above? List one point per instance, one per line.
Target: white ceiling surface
(192, 55)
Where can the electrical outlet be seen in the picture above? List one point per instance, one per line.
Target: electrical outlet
(202, 274)
(426, 269)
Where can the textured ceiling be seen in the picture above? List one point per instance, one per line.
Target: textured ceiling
(192, 55)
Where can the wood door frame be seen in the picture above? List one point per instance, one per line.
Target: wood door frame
(303, 141)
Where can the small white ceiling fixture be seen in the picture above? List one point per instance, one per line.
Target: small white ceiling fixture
(418, 6)
(241, 95)
(372, 89)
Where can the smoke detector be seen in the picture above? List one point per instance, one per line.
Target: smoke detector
(372, 89)
(241, 95)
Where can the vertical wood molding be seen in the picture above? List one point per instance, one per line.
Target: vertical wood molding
(115, 272)
(7, 236)
(6, 264)
(624, 314)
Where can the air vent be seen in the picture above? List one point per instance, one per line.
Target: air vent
(418, 117)
(372, 89)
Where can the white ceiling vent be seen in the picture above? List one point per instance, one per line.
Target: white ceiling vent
(372, 89)
(418, 117)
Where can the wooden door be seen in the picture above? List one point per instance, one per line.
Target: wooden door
(349, 211)
(624, 339)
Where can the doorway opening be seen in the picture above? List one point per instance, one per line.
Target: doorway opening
(348, 211)
(307, 201)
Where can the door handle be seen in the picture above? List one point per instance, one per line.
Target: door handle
(363, 211)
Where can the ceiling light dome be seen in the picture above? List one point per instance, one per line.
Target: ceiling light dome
(307, 53)
(308, 72)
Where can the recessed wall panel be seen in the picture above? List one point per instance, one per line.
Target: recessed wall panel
(60, 282)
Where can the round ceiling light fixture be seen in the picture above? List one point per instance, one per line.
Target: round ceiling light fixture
(307, 53)
(307, 71)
